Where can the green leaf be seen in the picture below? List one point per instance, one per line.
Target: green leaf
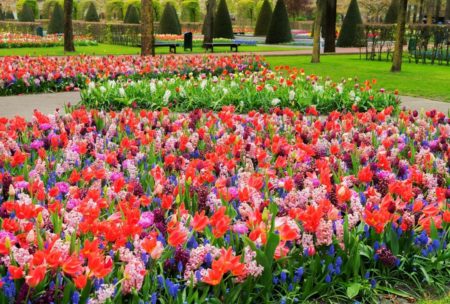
(353, 290)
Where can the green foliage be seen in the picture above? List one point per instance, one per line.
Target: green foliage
(2, 14)
(190, 10)
(352, 33)
(170, 24)
(26, 14)
(222, 22)
(280, 29)
(392, 13)
(246, 9)
(31, 3)
(48, 6)
(9, 16)
(132, 15)
(56, 24)
(91, 14)
(264, 18)
(114, 9)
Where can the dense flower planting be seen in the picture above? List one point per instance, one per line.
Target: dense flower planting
(46, 74)
(14, 40)
(284, 87)
(223, 208)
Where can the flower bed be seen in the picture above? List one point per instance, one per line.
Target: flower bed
(10, 40)
(220, 207)
(265, 89)
(48, 74)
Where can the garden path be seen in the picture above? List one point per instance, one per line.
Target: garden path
(24, 105)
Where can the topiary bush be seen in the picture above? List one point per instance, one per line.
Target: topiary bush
(279, 29)
(169, 24)
(190, 10)
(392, 13)
(91, 14)
(2, 14)
(56, 25)
(26, 14)
(352, 33)
(222, 22)
(9, 16)
(31, 3)
(132, 15)
(264, 18)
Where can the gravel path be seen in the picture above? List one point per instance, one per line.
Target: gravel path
(24, 105)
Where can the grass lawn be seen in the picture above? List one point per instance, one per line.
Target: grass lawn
(108, 49)
(424, 80)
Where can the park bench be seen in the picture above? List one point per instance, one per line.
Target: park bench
(233, 46)
(172, 46)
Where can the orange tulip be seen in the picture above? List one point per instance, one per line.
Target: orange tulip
(36, 275)
(200, 221)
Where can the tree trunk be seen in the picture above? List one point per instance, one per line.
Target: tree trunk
(316, 40)
(68, 27)
(399, 37)
(414, 14)
(329, 30)
(147, 29)
(447, 10)
(209, 22)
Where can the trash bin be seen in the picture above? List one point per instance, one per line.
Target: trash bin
(188, 41)
(40, 31)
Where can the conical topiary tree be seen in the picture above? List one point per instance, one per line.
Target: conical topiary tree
(279, 28)
(351, 32)
(169, 23)
(91, 14)
(27, 14)
(264, 18)
(392, 13)
(132, 15)
(56, 25)
(9, 16)
(222, 22)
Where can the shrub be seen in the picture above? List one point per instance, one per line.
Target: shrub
(91, 14)
(26, 14)
(2, 15)
(279, 30)
(264, 18)
(170, 24)
(48, 7)
(132, 15)
(392, 13)
(222, 22)
(56, 24)
(352, 33)
(9, 16)
(31, 3)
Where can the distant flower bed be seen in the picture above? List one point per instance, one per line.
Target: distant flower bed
(246, 91)
(202, 207)
(20, 75)
(9, 40)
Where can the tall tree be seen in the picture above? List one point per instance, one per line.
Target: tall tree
(69, 46)
(316, 39)
(437, 12)
(329, 26)
(399, 36)
(208, 27)
(430, 6)
(147, 29)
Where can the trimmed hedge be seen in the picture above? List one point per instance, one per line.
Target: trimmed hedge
(132, 15)
(392, 13)
(26, 14)
(352, 33)
(264, 18)
(170, 24)
(91, 15)
(280, 28)
(56, 25)
(222, 22)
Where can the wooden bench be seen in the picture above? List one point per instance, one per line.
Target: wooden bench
(233, 46)
(172, 46)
